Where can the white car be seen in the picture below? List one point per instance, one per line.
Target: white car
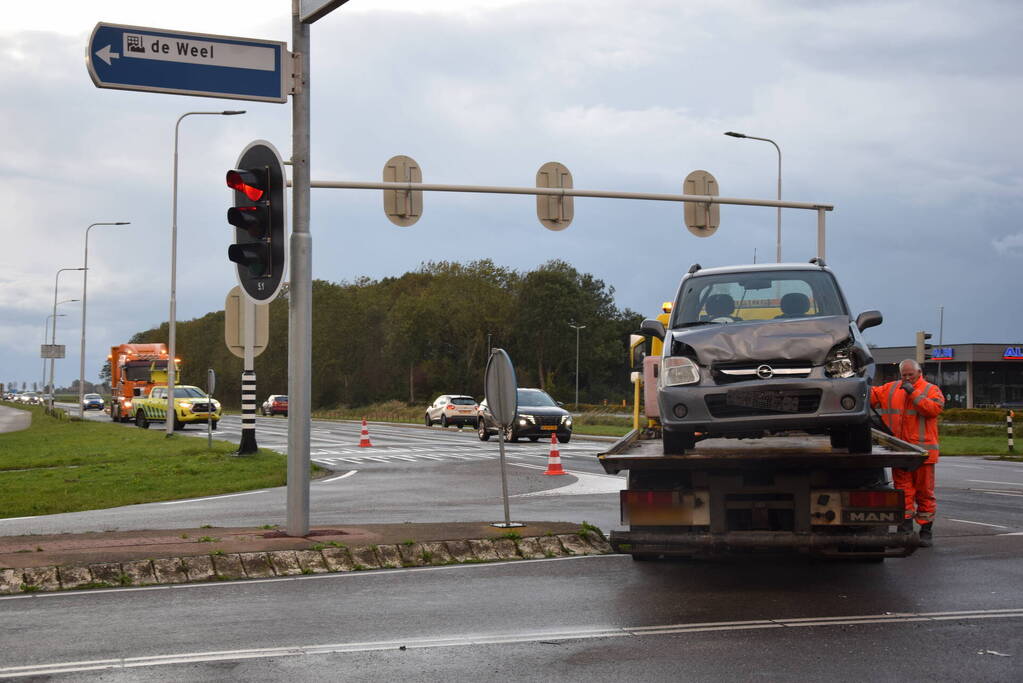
(452, 409)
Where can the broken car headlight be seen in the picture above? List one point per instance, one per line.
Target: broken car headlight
(839, 362)
(678, 370)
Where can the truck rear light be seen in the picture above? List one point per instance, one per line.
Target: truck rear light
(450, 407)
(875, 499)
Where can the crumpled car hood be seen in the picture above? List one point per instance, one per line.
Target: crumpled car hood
(796, 339)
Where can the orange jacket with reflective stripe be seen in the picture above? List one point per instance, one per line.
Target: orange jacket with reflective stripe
(911, 417)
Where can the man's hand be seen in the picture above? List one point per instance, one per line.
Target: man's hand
(907, 387)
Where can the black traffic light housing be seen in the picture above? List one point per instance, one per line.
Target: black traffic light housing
(258, 217)
(923, 349)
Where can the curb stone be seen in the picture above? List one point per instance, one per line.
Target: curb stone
(234, 566)
(73, 577)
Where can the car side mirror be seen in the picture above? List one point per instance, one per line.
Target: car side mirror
(637, 350)
(654, 328)
(137, 391)
(868, 319)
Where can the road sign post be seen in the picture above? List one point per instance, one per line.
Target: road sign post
(246, 333)
(182, 63)
(500, 387)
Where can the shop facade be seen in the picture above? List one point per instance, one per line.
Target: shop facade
(970, 375)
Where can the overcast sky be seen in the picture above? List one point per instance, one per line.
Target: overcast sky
(904, 115)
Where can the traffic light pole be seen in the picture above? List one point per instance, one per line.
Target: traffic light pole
(300, 293)
(247, 444)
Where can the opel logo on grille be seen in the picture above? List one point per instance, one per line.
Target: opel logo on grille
(765, 372)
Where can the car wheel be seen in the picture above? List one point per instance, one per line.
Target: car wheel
(481, 431)
(565, 439)
(428, 421)
(444, 421)
(113, 415)
(677, 443)
(534, 439)
(214, 425)
(178, 424)
(509, 435)
(140, 420)
(860, 440)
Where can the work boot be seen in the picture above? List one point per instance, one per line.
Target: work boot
(906, 526)
(926, 538)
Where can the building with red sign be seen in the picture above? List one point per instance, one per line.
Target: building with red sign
(970, 375)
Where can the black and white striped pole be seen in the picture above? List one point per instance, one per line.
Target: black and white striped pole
(1008, 426)
(246, 332)
(247, 445)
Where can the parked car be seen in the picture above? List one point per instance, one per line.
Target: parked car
(759, 349)
(275, 404)
(452, 409)
(92, 401)
(538, 415)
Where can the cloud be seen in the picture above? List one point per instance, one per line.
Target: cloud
(1010, 244)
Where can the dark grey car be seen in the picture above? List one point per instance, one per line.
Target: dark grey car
(765, 348)
(538, 416)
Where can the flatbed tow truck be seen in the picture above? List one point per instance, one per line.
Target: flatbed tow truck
(776, 494)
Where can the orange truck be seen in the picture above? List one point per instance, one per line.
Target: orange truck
(134, 367)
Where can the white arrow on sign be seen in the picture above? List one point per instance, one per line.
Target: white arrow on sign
(106, 55)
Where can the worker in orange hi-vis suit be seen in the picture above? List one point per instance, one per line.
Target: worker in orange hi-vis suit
(910, 407)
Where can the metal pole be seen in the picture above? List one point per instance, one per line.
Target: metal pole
(81, 352)
(778, 149)
(46, 333)
(301, 290)
(247, 444)
(820, 233)
(172, 320)
(53, 337)
(576, 328)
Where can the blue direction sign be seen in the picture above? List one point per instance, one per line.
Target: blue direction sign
(157, 60)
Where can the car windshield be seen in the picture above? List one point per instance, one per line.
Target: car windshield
(188, 392)
(535, 397)
(463, 401)
(92, 396)
(756, 296)
(280, 398)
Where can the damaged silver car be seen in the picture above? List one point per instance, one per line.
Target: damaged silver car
(761, 349)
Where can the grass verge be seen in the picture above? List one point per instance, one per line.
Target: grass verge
(975, 445)
(68, 465)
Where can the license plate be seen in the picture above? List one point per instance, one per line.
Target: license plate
(548, 428)
(764, 400)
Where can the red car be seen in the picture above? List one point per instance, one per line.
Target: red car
(276, 404)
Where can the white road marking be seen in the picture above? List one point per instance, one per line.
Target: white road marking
(986, 481)
(472, 640)
(965, 521)
(346, 474)
(200, 500)
(585, 484)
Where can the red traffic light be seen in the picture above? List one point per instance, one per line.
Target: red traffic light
(247, 182)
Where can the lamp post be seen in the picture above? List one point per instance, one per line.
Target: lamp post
(576, 328)
(171, 323)
(46, 333)
(776, 147)
(53, 338)
(85, 281)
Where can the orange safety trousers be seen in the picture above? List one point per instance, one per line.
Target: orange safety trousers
(918, 485)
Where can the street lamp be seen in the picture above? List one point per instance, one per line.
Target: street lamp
(171, 324)
(753, 137)
(85, 280)
(53, 339)
(576, 328)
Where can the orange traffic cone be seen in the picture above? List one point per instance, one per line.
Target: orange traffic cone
(554, 460)
(364, 437)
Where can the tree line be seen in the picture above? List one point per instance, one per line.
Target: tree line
(428, 332)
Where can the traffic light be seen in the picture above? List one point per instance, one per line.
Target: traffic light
(923, 349)
(258, 217)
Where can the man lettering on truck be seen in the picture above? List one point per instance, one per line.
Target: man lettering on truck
(910, 407)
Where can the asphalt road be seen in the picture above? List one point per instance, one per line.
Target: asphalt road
(952, 612)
